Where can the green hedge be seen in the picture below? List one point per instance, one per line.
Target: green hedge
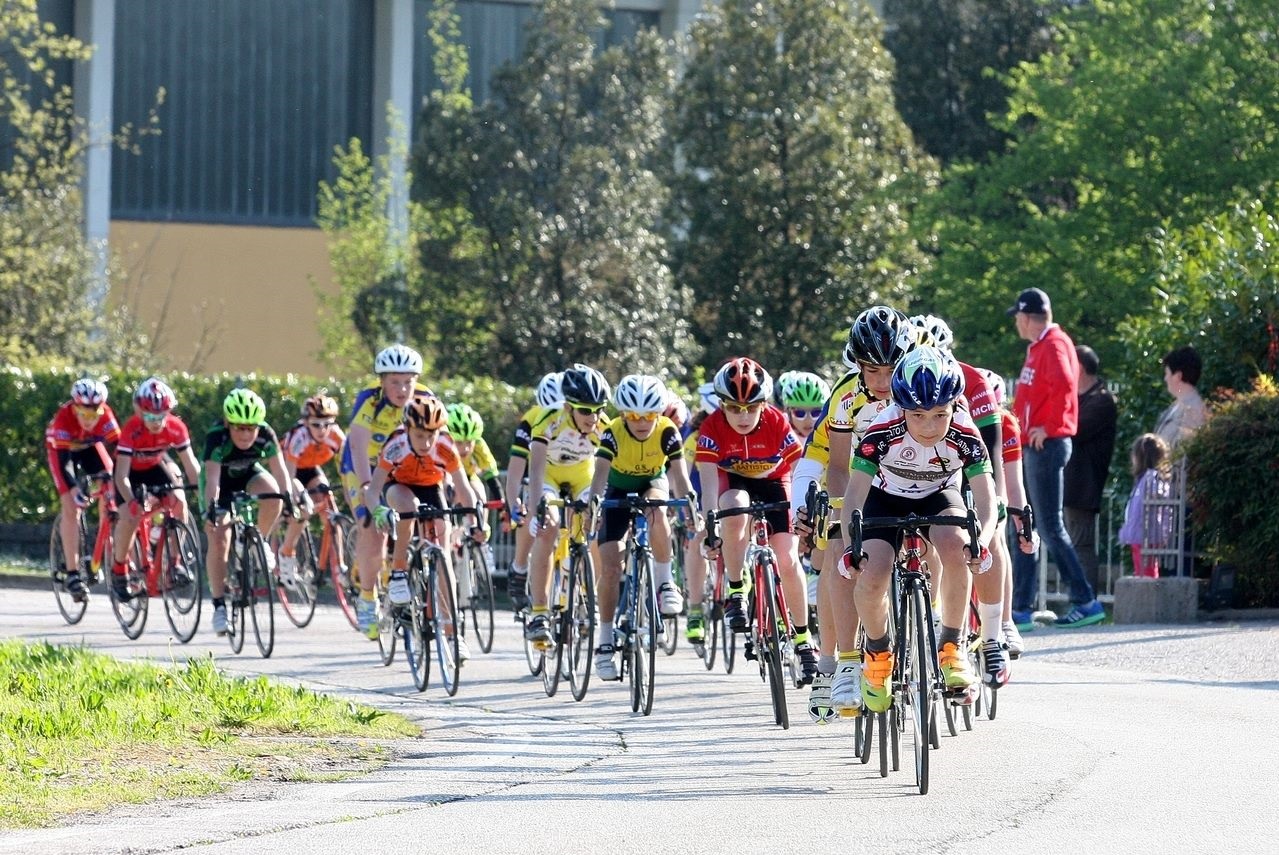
(30, 398)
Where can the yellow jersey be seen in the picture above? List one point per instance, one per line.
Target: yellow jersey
(635, 463)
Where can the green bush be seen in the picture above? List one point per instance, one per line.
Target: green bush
(31, 396)
(1233, 478)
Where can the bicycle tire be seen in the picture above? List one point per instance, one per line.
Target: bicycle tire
(261, 593)
(919, 684)
(644, 624)
(445, 622)
(867, 721)
(711, 627)
(581, 621)
(670, 634)
(346, 586)
(181, 580)
(132, 613)
(533, 657)
(896, 723)
(884, 738)
(72, 612)
(235, 623)
(483, 600)
(417, 644)
(388, 628)
(771, 655)
(553, 658)
(299, 604)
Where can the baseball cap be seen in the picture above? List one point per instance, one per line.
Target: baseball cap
(1032, 301)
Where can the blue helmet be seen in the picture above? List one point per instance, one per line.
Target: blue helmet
(925, 378)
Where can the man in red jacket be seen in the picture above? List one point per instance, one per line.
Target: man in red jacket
(1047, 405)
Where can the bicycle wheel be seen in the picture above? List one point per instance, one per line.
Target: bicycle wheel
(553, 658)
(919, 683)
(72, 612)
(261, 592)
(387, 628)
(645, 621)
(670, 634)
(445, 622)
(772, 644)
(235, 593)
(885, 736)
(181, 578)
(711, 626)
(581, 623)
(417, 631)
(346, 585)
(299, 604)
(482, 597)
(533, 657)
(132, 613)
(867, 722)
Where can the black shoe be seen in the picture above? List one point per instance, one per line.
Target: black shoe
(120, 587)
(735, 612)
(517, 590)
(807, 657)
(74, 586)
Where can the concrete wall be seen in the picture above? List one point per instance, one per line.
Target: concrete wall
(225, 298)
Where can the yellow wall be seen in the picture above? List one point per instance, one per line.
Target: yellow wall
(238, 298)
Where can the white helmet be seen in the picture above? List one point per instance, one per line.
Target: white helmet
(549, 393)
(710, 401)
(640, 393)
(934, 331)
(398, 359)
(88, 392)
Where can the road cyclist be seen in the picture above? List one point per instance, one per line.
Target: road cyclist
(313, 441)
(548, 399)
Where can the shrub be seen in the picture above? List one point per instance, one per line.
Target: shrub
(1233, 478)
(31, 396)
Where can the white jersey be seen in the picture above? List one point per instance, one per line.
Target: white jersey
(903, 467)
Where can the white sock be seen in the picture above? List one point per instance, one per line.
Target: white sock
(604, 633)
(991, 615)
(662, 573)
(518, 570)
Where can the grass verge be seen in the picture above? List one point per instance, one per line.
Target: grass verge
(83, 731)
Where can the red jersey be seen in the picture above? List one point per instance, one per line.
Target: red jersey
(301, 449)
(769, 451)
(1047, 393)
(64, 432)
(146, 449)
(425, 470)
(1012, 438)
(981, 401)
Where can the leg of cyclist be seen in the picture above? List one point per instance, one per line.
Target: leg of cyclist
(293, 528)
(219, 537)
(607, 587)
(69, 529)
(990, 608)
(785, 546)
(544, 533)
(871, 593)
(268, 509)
(126, 526)
(733, 534)
(846, 695)
(401, 499)
(695, 576)
(948, 543)
(669, 599)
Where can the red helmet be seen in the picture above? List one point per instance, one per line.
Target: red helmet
(154, 396)
(743, 381)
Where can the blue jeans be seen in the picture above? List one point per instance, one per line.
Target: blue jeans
(1044, 474)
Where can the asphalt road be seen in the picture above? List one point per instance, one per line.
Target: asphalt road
(1144, 739)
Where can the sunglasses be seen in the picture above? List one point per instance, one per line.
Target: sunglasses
(321, 425)
(244, 428)
(806, 414)
(87, 411)
(587, 409)
(742, 409)
(639, 417)
(154, 418)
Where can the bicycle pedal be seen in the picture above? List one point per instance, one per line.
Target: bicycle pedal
(850, 712)
(700, 650)
(749, 652)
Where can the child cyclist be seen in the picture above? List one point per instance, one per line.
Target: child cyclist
(466, 428)
(803, 396)
(547, 400)
(911, 460)
(745, 451)
(410, 470)
(79, 439)
(637, 452)
(234, 454)
(142, 459)
(312, 442)
(375, 415)
(694, 558)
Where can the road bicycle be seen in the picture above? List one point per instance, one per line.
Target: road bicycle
(916, 678)
(639, 622)
(572, 605)
(250, 585)
(987, 700)
(100, 490)
(475, 575)
(332, 558)
(679, 542)
(769, 628)
(165, 561)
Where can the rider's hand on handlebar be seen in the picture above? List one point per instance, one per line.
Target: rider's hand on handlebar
(848, 565)
(382, 517)
(981, 563)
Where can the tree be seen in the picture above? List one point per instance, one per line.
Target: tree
(46, 265)
(951, 57)
(1147, 114)
(799, 175)
(558, 172)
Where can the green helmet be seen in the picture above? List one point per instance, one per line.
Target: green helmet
(465, 424)
(805, 390)
(243, 407)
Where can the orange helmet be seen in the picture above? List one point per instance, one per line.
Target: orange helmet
(320, 407)
(425, 414)
(743, 381)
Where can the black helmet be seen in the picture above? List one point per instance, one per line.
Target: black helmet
(879, 336)
(582, 384)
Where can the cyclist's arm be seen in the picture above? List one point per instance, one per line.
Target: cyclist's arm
(462, 492)
(603, 466)
(124, 465)
(709, 475)
(284, 479)
(681, 486)
(358, 438)
(62, 469)
(993, 435)
(190, 464)
(854, 496)
(985, 502)
(212, 478)
(373, 495)
(1012, 482)
(841, 450)
(536, 470)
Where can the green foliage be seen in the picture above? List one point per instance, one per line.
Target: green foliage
(1233, 478)
(799, 177)
(32, 396)
(560, 175)
(951, 56)
(1145, 114)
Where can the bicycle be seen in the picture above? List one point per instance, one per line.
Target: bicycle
(249, 584)
(164, 561)
(987, 700)
(572, 604)
(334, 558)
(640, 623)
(473, 569)
(916, 679)
(679, 542)
(98, 488)
(768, 633)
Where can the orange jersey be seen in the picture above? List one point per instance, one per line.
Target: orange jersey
(304, 452)
(418, 470)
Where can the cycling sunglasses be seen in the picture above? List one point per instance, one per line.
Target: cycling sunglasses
(588, 409)
(810, 414)
(88, 411)
(324, 425)
(742, 409)
(639, 417)
(154, 418)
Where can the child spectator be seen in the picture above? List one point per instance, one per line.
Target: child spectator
(1144, 526)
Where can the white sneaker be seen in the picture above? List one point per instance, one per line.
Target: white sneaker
(289, 571)
(398, 590)
(1012, 638)
(846, 688)
(270, 558)
(819, 709)
(463, 650)
(670, 602)
(219, 620)
(605, 668)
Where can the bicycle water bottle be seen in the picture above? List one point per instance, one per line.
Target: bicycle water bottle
(157, 527)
